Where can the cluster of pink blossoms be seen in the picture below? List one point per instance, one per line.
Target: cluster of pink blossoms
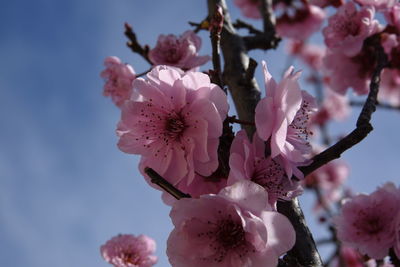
(129, 251)
(282, 118)
(350, 58)
(298, 19)
(119, 78)
(347, 62)
(180, 52)
(174, 120)
(371, 223)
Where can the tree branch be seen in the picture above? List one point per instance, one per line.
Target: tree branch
(268, 38)
(240, 24)
(304, 252)
(164, 184)
(379, 105)
(363, 125)
(245, 93)
(134, 45)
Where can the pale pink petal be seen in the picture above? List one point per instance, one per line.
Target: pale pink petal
(278, 139)
(270, 84)
(248, 195)
(281, 236)
(265, 118)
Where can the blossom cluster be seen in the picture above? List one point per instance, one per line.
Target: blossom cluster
(371, 223)
(176, 119)
(129, 251)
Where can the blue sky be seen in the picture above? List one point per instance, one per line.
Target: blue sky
(65, 188)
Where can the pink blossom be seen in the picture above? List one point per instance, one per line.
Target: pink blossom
(343, 72)
(130, 251)
(332, 175)
(309, 53)
(329, 179)
(175, 123)
(119, 78)
(378, 4)
(305, 21)
(235, 228)
(366, 221)
(397, 235)
(349, 256)
(334, 106)
(392, 16)
(247, 161)
(389, 42)
(180, 52)
(348, 28)
(249, 8)
(389, 90)
(282, 116)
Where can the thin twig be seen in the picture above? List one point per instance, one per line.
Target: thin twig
(268, 38)
(143, 73)
(251, 69)
(199, 26)
(240, 24)
(134, 45)
(164, 184)
(379, 105)
(232, 119)
(322, 201)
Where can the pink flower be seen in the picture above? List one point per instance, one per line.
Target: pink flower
(389, 42)
(175, 123)
(389, 90)
(329, 179)
(235, 228)
(249, 8)
(334, 106)
(309, 53)
(129, 251)
(349, 256)
(247, 161)
(366, 221)
(348, 28)
(378, 4)
(343, 72)
(305, 21)
(119, 78)
(179, 52)
(282, 116)
(393, 16)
